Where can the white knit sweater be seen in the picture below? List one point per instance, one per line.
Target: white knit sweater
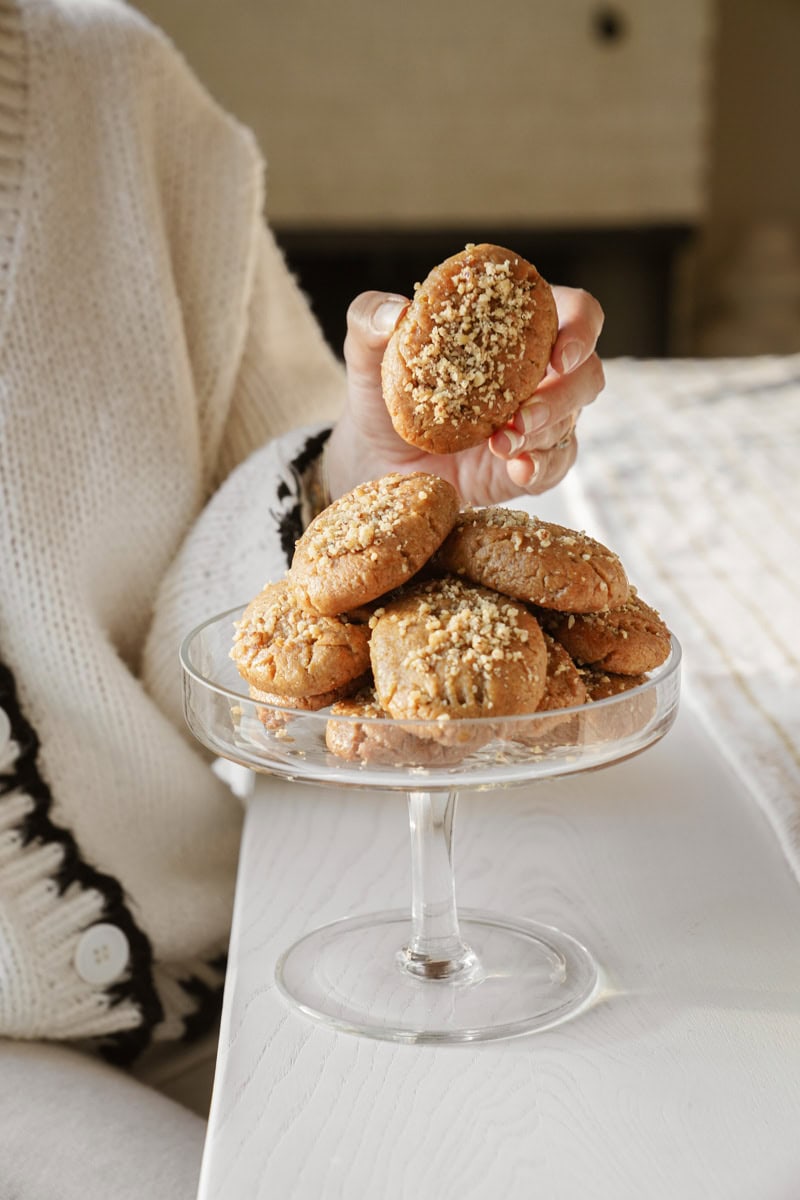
(151, 339)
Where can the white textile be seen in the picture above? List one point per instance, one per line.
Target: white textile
(689, 471)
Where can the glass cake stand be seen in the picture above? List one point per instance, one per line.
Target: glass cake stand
(430, 973)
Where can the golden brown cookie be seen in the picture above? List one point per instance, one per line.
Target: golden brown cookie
(272, 709)
(376, 740)
(446, 649)
(600, 685)
(472, 346)
(630, 640)
(564, 685)
(373, 539)
(610, 722)
(284, 646)
(532, 560)
(564, 688)
(308, 703)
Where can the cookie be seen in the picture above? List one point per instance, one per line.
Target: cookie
(629, 640)
(611, 722)
(447, 649)
(472, 346)
(308, 703)
(373, 539)
(379, 741)
(285, 647)
(563, 689)
(272, 711)
(564, 685)
(538, 562)
(600, 685)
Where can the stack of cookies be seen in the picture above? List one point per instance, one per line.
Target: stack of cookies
(399, 604)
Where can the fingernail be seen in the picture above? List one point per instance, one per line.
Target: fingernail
(535, 468)
(570, 357)
(387, 314)
(509, 442)
(534, 416)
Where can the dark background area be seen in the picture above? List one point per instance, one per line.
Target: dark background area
(709, 89)
(632, 270)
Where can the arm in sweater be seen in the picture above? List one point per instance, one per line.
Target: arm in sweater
(150, 335)
(245, 534)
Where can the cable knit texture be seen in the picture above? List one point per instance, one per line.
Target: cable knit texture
(151, 339)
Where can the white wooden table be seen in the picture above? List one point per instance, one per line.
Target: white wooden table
(683, 1081)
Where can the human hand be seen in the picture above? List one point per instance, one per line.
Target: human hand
(531, 454)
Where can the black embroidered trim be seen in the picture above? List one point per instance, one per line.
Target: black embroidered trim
(208, 999)
(122, 1047)
(290, 523)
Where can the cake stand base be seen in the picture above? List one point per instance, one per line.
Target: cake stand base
(355, 976)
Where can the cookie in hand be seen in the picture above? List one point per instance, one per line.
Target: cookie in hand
(472, 346)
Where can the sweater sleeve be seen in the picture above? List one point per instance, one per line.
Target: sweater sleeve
(243, 538)
(155, 355)
(288, 388)
(287, 375)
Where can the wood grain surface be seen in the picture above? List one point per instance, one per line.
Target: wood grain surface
(680, 1082)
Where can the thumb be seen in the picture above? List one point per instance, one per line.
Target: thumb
(371, 319)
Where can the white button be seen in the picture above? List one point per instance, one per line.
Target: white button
(102, 954)
(5, 730)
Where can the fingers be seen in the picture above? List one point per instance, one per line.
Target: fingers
(539, 443)
(544, 419)
(371, 319)
(580, 322)
(575, 379)
(543, 469)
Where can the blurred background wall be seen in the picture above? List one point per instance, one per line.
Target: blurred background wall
(645, 150)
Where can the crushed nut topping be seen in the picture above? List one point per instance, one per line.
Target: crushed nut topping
(463, 627)
(365, 517)
(280, 621)
(474, 333)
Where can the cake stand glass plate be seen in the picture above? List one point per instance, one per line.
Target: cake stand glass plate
(431, 973)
